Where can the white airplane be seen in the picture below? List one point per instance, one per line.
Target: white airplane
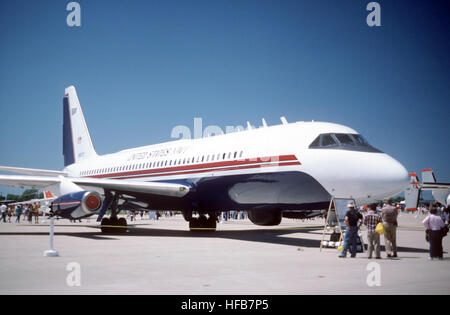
(290, 170)
(440, 191)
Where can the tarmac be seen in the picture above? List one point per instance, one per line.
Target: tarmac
(164, 258)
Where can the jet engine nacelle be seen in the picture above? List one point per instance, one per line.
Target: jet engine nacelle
(265, 216)
(77, 205)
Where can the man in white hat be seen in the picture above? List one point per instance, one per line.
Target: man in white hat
(352, 218)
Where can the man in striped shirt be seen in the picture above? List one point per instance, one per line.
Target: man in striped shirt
(371, 220)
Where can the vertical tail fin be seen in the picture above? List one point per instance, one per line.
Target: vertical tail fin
(412, 193)
(48, 194)
(77, 143)
(428, 176)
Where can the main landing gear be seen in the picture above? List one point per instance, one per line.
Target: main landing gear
(114, 224)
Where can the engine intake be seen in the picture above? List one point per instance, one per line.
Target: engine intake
(77, 205)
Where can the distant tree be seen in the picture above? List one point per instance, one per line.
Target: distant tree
(12, 197)
(28, 194)
(398, 199)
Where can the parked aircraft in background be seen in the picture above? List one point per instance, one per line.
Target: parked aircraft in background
(44, 202)
(291, 169)
(440, 191)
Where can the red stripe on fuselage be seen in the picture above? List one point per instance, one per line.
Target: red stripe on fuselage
(232, 168)
(206, 167)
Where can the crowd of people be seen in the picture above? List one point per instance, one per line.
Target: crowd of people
(28, 211)
(132, 215)
(382, 220)
(371, 216)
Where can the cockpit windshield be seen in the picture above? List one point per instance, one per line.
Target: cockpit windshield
(342, 141)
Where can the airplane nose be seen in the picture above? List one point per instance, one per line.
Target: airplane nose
(396, 176)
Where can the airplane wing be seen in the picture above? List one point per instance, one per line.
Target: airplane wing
(34, 182)
(31, 171)
(158, 188)
(40, 182)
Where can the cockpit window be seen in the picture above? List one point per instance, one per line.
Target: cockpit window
(315, 143)
(342, 141)
(327, 141)
(359, 139)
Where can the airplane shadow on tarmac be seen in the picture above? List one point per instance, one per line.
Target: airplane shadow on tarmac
(271, 236)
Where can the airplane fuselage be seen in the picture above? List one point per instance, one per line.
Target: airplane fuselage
(279, 167)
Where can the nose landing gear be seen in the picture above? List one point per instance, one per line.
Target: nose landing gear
(203, 222)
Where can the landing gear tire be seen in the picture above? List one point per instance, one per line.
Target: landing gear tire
(123, 225)
(116, 225)
(114, 221)
(105, 221)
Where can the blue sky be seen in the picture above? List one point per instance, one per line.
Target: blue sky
(144, 67)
